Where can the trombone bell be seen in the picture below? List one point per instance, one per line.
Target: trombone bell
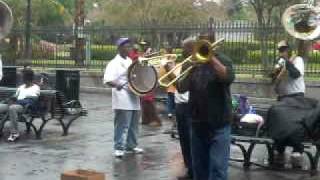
(204, 50)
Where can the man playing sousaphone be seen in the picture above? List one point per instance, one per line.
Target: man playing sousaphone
(284, 118)
(289, 79)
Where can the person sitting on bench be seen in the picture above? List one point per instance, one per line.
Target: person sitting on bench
(26, 96)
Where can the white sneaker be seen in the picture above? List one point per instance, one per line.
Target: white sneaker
(138, 150)
(13, 137)
(135, 150)
(296, 160)
(170, 115)
(118, 153)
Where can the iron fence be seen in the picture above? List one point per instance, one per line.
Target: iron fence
(252, 48)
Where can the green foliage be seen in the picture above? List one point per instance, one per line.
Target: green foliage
(18, 10)
(49, 13)
(44, 12)
(103, 52)
(146, 12)
(255, 57)
(314, 57)
(246, 52)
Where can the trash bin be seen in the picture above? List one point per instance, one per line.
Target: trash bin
(9, 78)
(68, 82)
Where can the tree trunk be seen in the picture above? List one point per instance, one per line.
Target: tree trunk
(263, 38)
(79, 36)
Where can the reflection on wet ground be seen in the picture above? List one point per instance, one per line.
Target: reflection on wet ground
(89, 146)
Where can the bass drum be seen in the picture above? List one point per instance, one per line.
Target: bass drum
(142, 78)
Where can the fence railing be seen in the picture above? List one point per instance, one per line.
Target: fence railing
(55, 47)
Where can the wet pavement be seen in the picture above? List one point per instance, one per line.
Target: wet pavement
(89, 146)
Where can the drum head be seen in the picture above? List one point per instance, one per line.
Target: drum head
(142, 78)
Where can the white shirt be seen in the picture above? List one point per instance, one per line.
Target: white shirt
(290, 85)
(23, 92)
(180, 98)
(116, 71)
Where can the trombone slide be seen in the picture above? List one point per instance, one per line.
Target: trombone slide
(163, 80)
(203, 52)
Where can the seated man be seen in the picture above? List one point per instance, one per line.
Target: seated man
(26, 95)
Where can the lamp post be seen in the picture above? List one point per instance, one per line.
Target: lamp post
(28, 31)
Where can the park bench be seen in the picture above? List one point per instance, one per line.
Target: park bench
(51, 105)
(261, 138)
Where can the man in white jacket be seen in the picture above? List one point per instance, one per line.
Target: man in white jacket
(125, 103)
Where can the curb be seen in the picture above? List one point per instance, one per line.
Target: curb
(95, 90)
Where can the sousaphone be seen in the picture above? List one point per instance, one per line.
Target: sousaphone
(302, 21)
(6, 19)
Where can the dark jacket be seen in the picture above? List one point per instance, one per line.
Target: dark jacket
(291, 115)
(210, 98)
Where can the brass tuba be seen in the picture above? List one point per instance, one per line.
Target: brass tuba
(302, 21)
(6, 19)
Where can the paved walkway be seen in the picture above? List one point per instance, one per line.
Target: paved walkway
(89, 146)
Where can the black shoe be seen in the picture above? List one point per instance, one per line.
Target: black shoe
(296, 160)
(184, 177)
(279, 160)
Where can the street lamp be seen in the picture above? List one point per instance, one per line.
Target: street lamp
(28, 31)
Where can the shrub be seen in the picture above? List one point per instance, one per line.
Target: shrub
(103, 52)
(255, 57)
(237, 54)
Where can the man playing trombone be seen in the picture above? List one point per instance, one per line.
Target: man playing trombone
(210, 99)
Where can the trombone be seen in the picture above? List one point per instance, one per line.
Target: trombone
(202, 53)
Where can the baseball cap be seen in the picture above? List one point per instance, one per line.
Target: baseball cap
(282, 44)
(122, 41)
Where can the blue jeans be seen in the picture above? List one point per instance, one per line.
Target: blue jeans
(171, 103)
(183, 117)
(126, 129)
(210, 151)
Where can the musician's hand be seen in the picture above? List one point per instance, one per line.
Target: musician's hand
(168, 66)
(121, 86)
(214, 60)
(118, 86)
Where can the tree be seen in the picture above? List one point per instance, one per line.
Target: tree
(146, 12)
(233, 8)
(265, 9)
(44, 12)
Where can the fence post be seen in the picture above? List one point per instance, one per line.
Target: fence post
(79, 36)
(28, 50)
(211, 32)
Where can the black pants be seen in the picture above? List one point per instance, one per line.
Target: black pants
(295, 141)
(183, 116)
